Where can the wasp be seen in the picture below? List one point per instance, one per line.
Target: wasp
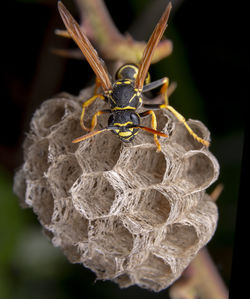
(124, 95)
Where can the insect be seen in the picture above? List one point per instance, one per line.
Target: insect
(124, 95)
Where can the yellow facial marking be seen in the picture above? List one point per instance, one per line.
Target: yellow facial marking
(125, 134)
(124, 108)
(123, 124)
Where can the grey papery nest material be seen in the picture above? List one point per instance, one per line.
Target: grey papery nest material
(128, 213)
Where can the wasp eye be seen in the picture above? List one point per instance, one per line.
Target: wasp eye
(135, 119)
(111, 120)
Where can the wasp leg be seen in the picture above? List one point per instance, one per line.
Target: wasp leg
(85, 105)
(97, 85)
(94, 118)
(153, 125)
(89, 102)
(155, 84)
(182, 119)
(166, 88)
(164, 92)
(179, 117)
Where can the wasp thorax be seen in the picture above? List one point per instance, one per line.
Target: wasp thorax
(124, 95)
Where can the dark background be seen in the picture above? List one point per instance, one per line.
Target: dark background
(210, 65)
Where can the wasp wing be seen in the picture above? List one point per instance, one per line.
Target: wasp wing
(151, 45)
(84, 44)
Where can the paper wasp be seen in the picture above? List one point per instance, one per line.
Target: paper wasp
(125, 94)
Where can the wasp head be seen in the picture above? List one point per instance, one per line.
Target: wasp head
(124, 123)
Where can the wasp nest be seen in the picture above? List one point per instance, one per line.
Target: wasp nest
(125, 211)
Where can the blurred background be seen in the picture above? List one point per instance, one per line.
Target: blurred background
(209, 63)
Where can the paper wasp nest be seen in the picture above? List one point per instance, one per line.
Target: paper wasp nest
(128, 213)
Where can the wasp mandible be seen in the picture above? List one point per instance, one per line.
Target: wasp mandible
(124, 95)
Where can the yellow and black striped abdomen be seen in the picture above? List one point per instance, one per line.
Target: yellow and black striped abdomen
(130, 71)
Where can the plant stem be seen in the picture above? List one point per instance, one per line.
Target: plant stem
(109, 42)
(200, 280)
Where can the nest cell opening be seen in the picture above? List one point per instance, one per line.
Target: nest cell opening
(154, 273)
(92, 195)
(100, 153)
(50, 114)
(198, 171)
(46, 117)
(75, 228)
(162, 121)
(68, 222)
(111, 237)
(63, 174)
(181, 236)
(37, 160)
(143, 166)
(38, 196)
(55, 115)
(61, 138)
(182, 137)
(152, 210)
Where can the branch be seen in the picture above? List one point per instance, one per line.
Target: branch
(97, 24)
(201, 279)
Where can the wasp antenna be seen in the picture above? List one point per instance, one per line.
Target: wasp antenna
(91, 134)
(152, 131)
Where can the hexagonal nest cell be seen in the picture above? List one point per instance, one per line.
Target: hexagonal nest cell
(127, 212)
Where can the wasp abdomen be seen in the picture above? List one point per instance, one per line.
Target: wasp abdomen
(130, 71)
